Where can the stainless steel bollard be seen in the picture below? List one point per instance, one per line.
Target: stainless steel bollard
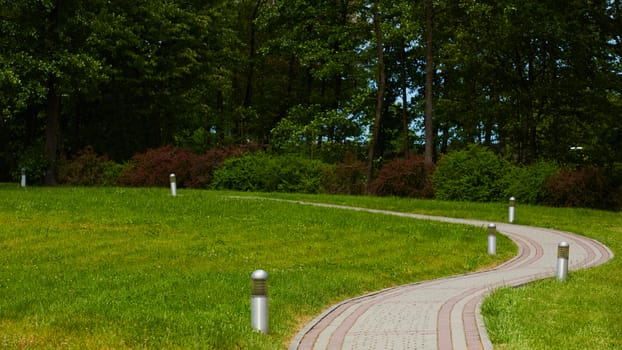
(259, 301)
(23, 182)
(563, 253)
(173, 185)
(492, 239)
(511, 209)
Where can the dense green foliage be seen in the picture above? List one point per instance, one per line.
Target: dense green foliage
(121, 268)
(266, 173)
(529, 183)
(474, 174)
(534, 80)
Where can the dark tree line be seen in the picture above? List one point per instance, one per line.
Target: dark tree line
(329, 78)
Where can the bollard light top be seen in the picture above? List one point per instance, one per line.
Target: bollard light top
(259, 275)
(492, 225)
(564, 244)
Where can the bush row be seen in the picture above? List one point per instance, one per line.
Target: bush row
(472, 174)
(477, 174)
(148, 169)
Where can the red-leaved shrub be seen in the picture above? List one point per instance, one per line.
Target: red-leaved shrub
(404, 178)
(587, 188)
(153, 167)
(345, 178)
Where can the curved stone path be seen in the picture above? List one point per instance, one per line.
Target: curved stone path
(443, 313)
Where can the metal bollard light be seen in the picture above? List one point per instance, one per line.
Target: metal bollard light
(563, 253)
(512, 209)
(259, 301)
(23, 182)
(173, 185)
(492, 239)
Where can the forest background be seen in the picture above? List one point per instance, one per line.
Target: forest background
(341, 96)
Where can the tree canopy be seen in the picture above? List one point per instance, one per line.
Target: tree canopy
(329, 78)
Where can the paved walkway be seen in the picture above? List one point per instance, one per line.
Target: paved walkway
(443, 313)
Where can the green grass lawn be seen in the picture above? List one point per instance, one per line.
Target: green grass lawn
(583, 313)
(137, 268)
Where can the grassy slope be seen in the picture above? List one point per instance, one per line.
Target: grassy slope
(137, 268)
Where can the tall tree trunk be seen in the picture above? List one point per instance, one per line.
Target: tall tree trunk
(52, 111)
(404, 100)
(240, 127)
(379, 95)
(429, 78)
(52, 132)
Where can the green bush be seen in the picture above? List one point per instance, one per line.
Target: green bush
(111, 173)
(267, 173)
(528, 183)
(473, 174)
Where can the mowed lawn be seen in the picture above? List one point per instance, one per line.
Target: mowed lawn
(114, 268)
